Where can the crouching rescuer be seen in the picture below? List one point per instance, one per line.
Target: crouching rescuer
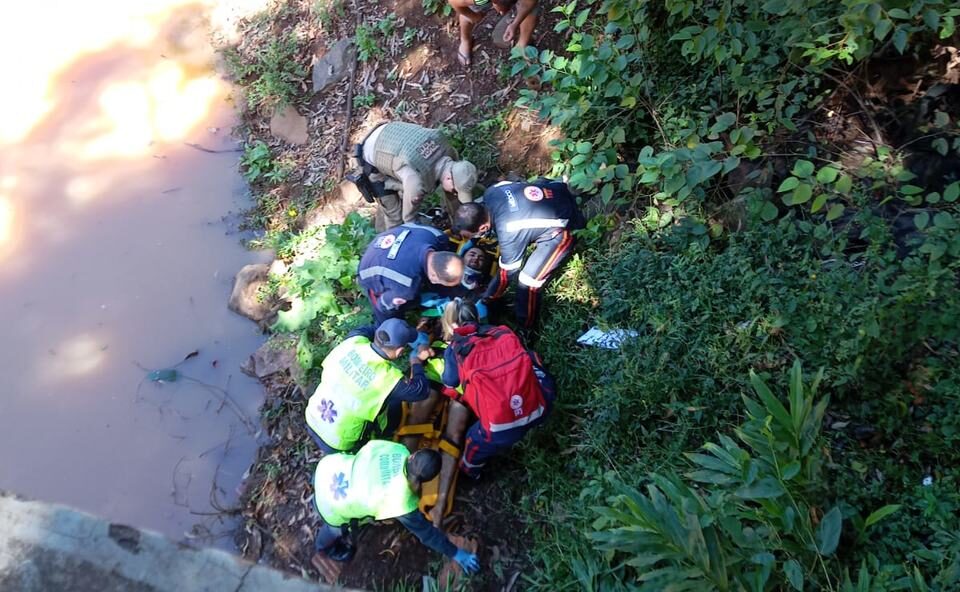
(402, 162)
(381, 482)
(492, 377)
(362, 389)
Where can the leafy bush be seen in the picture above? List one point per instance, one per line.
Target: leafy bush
(711, 309)
(323, 290)
(692, 87)
(258, 164)
(756, 527)
(273, 76)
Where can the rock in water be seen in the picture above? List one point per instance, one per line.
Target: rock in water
(245, 298)
(334, 65)
(289, 126)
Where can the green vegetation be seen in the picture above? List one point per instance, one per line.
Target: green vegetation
(477, 141)
(743, 244)
(370, 38)
(322, 287)
(432, 7)
(695, 87)
(272, 76)
(258, 164)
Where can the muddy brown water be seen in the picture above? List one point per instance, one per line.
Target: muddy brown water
(119, 246)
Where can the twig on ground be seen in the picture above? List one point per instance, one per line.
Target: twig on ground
(209, 151)
(342, 162)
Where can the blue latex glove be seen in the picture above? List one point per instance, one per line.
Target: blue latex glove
(482, 310)
(468, 561)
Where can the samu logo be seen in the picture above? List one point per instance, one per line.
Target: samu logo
(516, 403)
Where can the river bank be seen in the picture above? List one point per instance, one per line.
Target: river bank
(777, 224)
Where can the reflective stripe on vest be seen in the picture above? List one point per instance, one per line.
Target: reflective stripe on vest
(388, 273)
(395, 249)
(355, 383)
(526, 223)
(369, 484)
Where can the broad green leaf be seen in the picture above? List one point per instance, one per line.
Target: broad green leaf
(584, 147)
(911, 190)
(899, 13)
(772, 405)
(730, 163)
(802, 194)
(766, 488)
(794, 574)
(769, 212)
(900, 39)
(828, 533)
(618, 136)
(941, 146)
(835, 211)
(818, 203)
(921, 220)
(791, 470)
(880, 514)
(882, 29)
(582, 17)
(844, 184)
(711, 462)
(827, 174)
(803, 168)
(945, 221)
(952, 192)
(724, 122)
(788, 184)
(606, 193)
(712, 477)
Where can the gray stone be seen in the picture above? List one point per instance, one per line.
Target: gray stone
(334, 65)
(245, 299)
(289, 126)
(50, 548)
(278, 354)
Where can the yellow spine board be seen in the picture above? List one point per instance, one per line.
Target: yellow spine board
(431, 436)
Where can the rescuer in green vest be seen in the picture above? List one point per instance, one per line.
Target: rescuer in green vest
(362, 390)
(382, 481)
(402, 162)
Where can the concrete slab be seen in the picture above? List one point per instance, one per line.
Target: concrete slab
(50, 548)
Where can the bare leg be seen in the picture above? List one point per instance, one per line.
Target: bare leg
(419, 413)
(465, 51)
(457, 419)
(526, 29)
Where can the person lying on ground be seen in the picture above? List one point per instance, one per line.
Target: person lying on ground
(544, 214)
(402, 162)
(401, 262)
(381, 482)
(362, 390)
(476, 277)
(487, 372)
(471, 12)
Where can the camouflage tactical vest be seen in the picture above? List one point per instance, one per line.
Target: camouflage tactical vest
(407, 144)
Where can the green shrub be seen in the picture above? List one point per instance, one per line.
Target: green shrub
(693, 86)
(273, 76)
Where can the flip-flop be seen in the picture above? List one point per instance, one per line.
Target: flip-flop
(465, 59)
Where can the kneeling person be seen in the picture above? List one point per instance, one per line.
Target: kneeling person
(382, 481)
(361, 390)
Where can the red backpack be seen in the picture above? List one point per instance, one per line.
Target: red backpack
(498, 381)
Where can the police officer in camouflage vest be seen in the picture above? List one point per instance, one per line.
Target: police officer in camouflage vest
(403, 162)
